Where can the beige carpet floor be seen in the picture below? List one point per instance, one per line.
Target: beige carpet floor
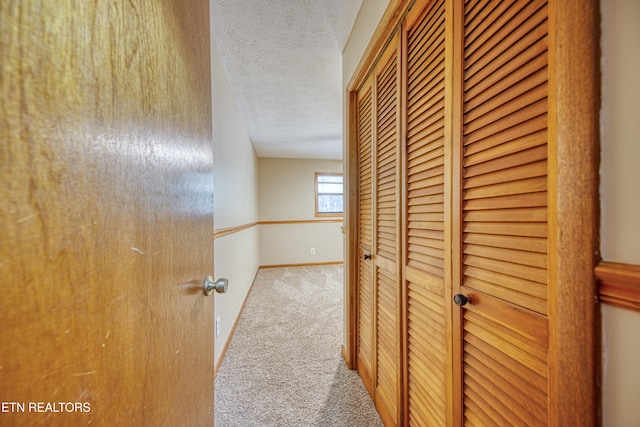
(283, 366)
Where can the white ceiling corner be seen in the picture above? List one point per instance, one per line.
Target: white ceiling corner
(283, 59)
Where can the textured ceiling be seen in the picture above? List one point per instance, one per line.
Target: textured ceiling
(283, 59)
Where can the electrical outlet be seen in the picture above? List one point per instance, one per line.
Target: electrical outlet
(313, 251)
(217, 326)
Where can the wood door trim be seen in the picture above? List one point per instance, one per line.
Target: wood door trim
(574, 147)
(303, 264)
(221, 232)
(455, 45)
(350, 347)
(619, 284)
(300, 221)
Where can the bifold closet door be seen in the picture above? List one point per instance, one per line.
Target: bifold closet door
(379, 290)
(503, 335)
(387, 234)
(427, 373)
(463, 316)
(366, 312)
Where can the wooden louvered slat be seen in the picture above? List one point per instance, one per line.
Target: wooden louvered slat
(537, 384)
(425, 63)
(501, 27)
(508, 201)
(480, 93)
(530, 397)
(495, 407)
(427, 85)
(531, 41)
(507, 229)
(430, 129)
(529, 214)
(529, 287)
(513, 242)
(505, 389)
(503, 354)
(431, 248)
(425, 171)
(365, 318)
(507, 268)
(508, 255)
(517, 172)
(512, 99)
(506, 120)
(386, 159)
(478, 22)
(522, 186)
(504, 214)
(512, 109)
(427, 355)
(476, 13)
(504, 159)
(516, 137)
(365, 136)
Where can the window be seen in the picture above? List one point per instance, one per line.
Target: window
(329, 194)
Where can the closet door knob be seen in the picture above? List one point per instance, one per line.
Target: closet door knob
(366, 256)
(460, 299)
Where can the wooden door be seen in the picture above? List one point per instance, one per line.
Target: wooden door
(106, 215)
(427, 259)
(365, 298)
(499, 161)
(387, 234)
(502, 264)
(379, 290)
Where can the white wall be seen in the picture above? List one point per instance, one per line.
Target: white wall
(620, 203)
(236, 201)
(365, 25)
(287, 193)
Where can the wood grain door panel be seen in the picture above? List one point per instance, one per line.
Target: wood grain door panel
(366, 289)
(106, 212)
(426, 313)
(387, 234)
(378, 230)
(505, 363)
(504, 334)
(498, 188)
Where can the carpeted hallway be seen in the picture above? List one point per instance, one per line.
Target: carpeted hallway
(283, 366)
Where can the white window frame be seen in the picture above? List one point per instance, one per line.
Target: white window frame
(318, 194)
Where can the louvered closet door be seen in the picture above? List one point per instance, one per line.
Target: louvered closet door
(366, 313)
(426, 309)
(504, 214)
(387, 231)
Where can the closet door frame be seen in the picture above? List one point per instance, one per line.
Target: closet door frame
(574, 156)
